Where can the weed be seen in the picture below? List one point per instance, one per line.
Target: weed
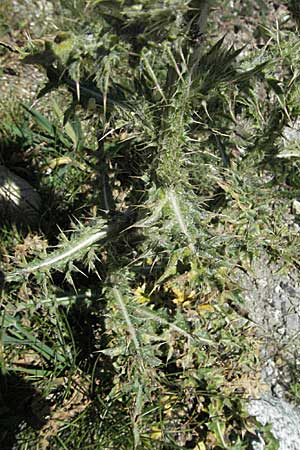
(162, 169)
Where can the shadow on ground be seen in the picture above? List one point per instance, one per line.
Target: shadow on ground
(21, 405)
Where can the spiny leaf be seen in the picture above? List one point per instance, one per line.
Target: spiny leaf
(68, 251)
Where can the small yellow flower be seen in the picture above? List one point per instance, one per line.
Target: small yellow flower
(205, 307)
(200, 446)
(140, 296)
(182, 297)
(156, 433)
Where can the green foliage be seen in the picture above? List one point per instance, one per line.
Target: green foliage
(161, 154)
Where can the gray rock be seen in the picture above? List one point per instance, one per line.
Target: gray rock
(19, 201)
(272, 300)
(284, 419)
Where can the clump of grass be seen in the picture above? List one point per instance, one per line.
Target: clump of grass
(129, 326)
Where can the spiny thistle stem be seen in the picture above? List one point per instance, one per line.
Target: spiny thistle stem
(60, 255)
(124, 311)
(178, 214)
(137, 413)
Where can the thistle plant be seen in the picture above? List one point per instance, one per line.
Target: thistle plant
(133, 298)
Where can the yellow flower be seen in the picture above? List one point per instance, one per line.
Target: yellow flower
(156, 433)
(182, 297)
(140, 296)
(205, 307)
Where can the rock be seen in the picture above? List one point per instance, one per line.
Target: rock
(19, 202)
(272, 301)
(284, 419)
